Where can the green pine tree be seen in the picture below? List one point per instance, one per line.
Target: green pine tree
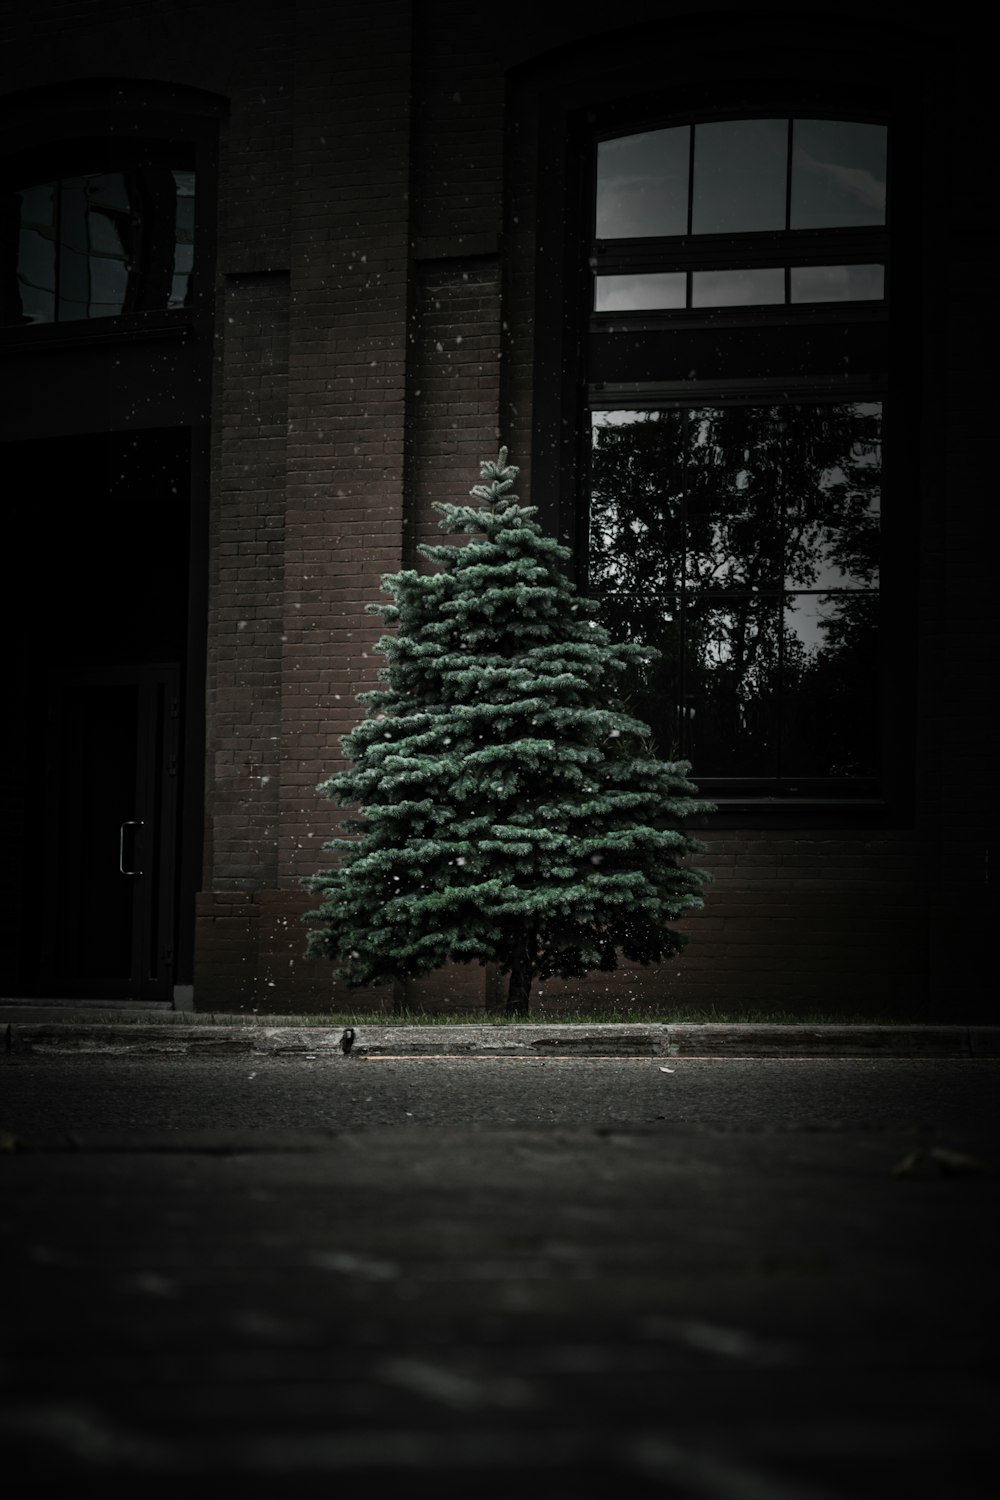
(513, 811)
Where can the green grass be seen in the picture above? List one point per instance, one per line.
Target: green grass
(682, 1016)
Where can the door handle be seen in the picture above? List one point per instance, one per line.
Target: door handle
(129, 823)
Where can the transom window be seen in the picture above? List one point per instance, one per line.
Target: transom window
(736, 384)
(739, 177)
(689, 216)
(113, 239)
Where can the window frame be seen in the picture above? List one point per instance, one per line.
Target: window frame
(740, 792)
(571, 124)
(83, 127)
(787, 248)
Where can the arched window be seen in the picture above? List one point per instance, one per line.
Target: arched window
(736, 392)
(103, 229)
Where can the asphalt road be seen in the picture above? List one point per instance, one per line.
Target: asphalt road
(337, 1093)
(756, 1280)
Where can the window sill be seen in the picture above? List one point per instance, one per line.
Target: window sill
(38, 337)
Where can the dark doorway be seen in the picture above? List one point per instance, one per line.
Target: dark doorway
(93, 770)
(110, 834)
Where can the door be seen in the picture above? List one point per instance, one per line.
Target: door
(110, 832)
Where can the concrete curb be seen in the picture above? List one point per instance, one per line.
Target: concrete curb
(77, 1038)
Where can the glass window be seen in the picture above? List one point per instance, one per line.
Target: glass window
(656, 290)
(738, 532)
(743, 541)
(746, 286)
(831, 495)
(837, 283)
(830, 686)
(104, 243)
(637, 503)
(749, 176)
(184, 239)
(642, 184)
(36, 255)
(740, 288)
(838, 174)
(740, 171)
(730, 675)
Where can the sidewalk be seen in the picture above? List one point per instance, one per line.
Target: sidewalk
(29, 1031)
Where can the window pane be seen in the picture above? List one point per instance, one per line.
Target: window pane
(734, 474)
(838, 174)
(73, 215)
(107, 190)
(108, 285)
(184, 249)
(770, 627)
(738, 288)
(74, 259)
(740, 172)
(642, 184)
(36, 274)
(109, 234)
(730, 685)
(637, 488)
(838, 283)
(38, 207)
(103, 232)
(36, 253)
(832, 494)
(92, 263)
(652, 691)
(655, 290)
(830, 708)
(101, 244)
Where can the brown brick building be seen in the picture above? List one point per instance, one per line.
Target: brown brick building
(277, 276)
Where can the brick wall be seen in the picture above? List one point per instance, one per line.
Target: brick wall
(454, 385)
(376, 313)
(246, 549)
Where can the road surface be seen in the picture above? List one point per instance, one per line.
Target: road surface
(759, 1280)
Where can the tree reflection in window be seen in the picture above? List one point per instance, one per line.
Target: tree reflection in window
(102, 244)
(743, 542)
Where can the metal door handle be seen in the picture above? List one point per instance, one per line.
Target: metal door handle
(129, 823)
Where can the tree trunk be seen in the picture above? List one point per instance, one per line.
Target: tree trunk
(521, 974)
